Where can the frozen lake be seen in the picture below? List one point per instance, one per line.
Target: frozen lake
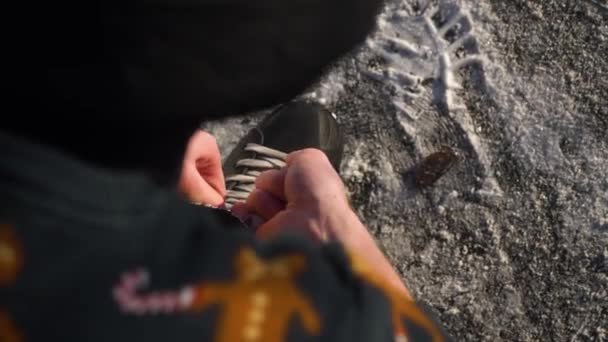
(512, 243)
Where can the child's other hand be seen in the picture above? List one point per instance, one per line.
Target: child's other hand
(201, 179)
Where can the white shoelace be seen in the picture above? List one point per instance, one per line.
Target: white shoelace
(263, 159)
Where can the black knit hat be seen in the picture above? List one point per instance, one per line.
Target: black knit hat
(185, 57)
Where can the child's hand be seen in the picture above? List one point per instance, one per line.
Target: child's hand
(201, 179)
(306, 196)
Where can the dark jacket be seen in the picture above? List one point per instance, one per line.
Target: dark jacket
(94, 255)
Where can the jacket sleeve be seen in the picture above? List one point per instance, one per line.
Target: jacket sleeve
(193, 274)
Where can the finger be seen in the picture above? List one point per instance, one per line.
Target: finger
(288, 222)
(272, 227)
(197, 190)
(240, 210)
(208, 160)
(308, 155)
(211, 172)
(273, 182)
(264, 204)
(202, 179)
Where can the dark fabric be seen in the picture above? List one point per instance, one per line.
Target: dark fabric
(80, 233)
(163, 58)
(102, 79)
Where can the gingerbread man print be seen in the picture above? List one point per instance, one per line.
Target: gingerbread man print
(257, 305)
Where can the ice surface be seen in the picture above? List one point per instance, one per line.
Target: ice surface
(512, 243)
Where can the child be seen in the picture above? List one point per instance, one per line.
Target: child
(95, 245)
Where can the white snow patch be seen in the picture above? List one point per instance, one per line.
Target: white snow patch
(358, 165)
(417, 51)
(537, 116)
(329, 89)
(228, 132)
(528, 104)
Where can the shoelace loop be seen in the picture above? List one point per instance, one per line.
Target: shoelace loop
(263, 159)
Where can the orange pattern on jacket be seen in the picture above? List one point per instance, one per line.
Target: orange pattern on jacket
(11, 262)
(401, 306)
(11, 256)
(260, 302)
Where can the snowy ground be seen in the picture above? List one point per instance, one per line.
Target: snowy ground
(512, 243)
